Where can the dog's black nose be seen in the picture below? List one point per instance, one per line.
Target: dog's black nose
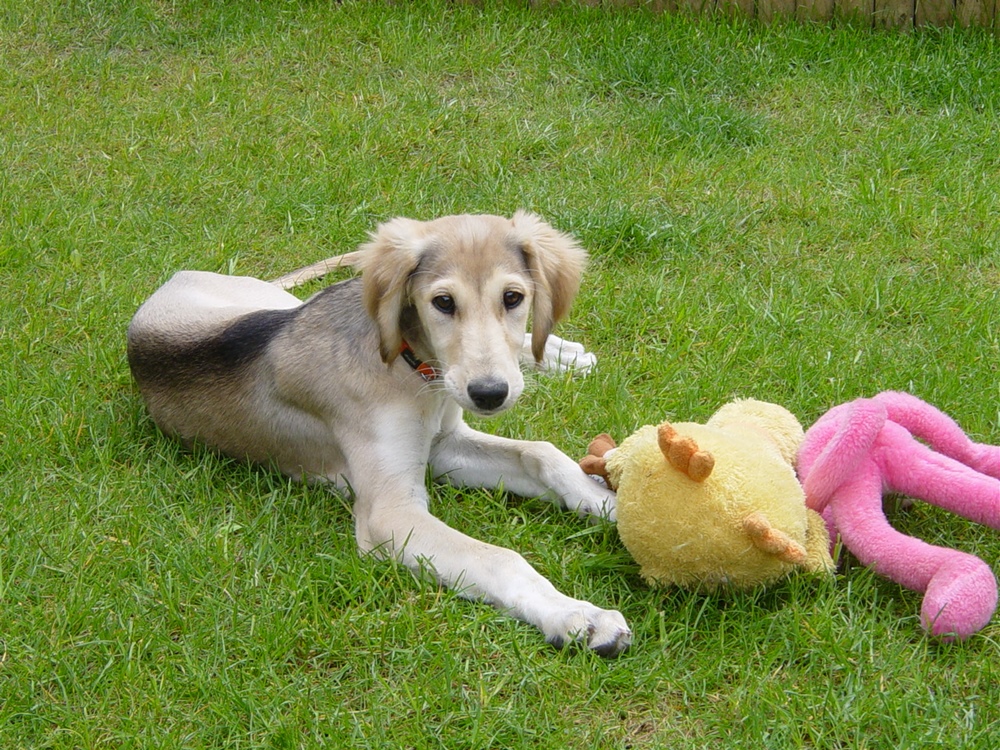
(488, 394)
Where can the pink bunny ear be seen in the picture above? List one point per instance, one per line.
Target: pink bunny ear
(943, 433)
(852, 430)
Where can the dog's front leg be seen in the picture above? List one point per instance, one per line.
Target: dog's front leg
(466, 457)
(494, 575)
(392, 520)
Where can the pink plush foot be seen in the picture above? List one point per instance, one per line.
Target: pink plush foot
(960, 599)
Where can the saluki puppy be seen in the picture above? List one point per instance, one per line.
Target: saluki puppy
(364, 386)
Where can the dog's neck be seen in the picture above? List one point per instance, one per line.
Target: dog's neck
(413, 342)
(425, 371)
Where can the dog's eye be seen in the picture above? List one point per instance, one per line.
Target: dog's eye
(444, 303)
(512, 299)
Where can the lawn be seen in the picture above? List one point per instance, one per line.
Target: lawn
(803, 214)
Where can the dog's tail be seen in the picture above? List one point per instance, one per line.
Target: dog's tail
(316, 270)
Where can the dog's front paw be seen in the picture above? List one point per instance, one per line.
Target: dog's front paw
(601, 630)
(562, 356)
(594, 499)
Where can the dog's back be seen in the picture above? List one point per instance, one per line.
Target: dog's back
(239, 365)
(192, 304)
(195, 332)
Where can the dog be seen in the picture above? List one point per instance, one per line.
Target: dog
(364, 385)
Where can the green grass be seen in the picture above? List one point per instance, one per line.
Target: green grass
(804, 214)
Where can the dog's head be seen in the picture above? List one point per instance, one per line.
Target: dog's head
(459, 290)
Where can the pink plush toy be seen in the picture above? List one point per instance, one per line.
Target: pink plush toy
(859, 450)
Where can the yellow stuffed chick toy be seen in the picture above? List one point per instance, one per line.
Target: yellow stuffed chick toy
(714, 505)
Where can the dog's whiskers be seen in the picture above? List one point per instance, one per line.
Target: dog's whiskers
(431, 385)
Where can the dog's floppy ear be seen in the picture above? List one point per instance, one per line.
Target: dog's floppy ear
(386, 263)
(556, 263)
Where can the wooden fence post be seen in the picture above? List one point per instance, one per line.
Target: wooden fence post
(815, 10)
(736, 8)
(934, 12)
(893, 14)
(859, 11)
(768, 10)
(973, 12)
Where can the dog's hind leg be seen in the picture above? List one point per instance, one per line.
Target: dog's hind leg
(560, 356)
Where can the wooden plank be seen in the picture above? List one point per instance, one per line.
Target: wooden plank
(768, 10)
(736, 8)
(934, 12)
(859, 11)
(543, 3)
(785, 8)
(697, 7)
(893, 14)
(657, 6)
(815, 10)
(971, 13)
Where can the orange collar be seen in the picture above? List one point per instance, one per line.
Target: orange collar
(425, 371)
